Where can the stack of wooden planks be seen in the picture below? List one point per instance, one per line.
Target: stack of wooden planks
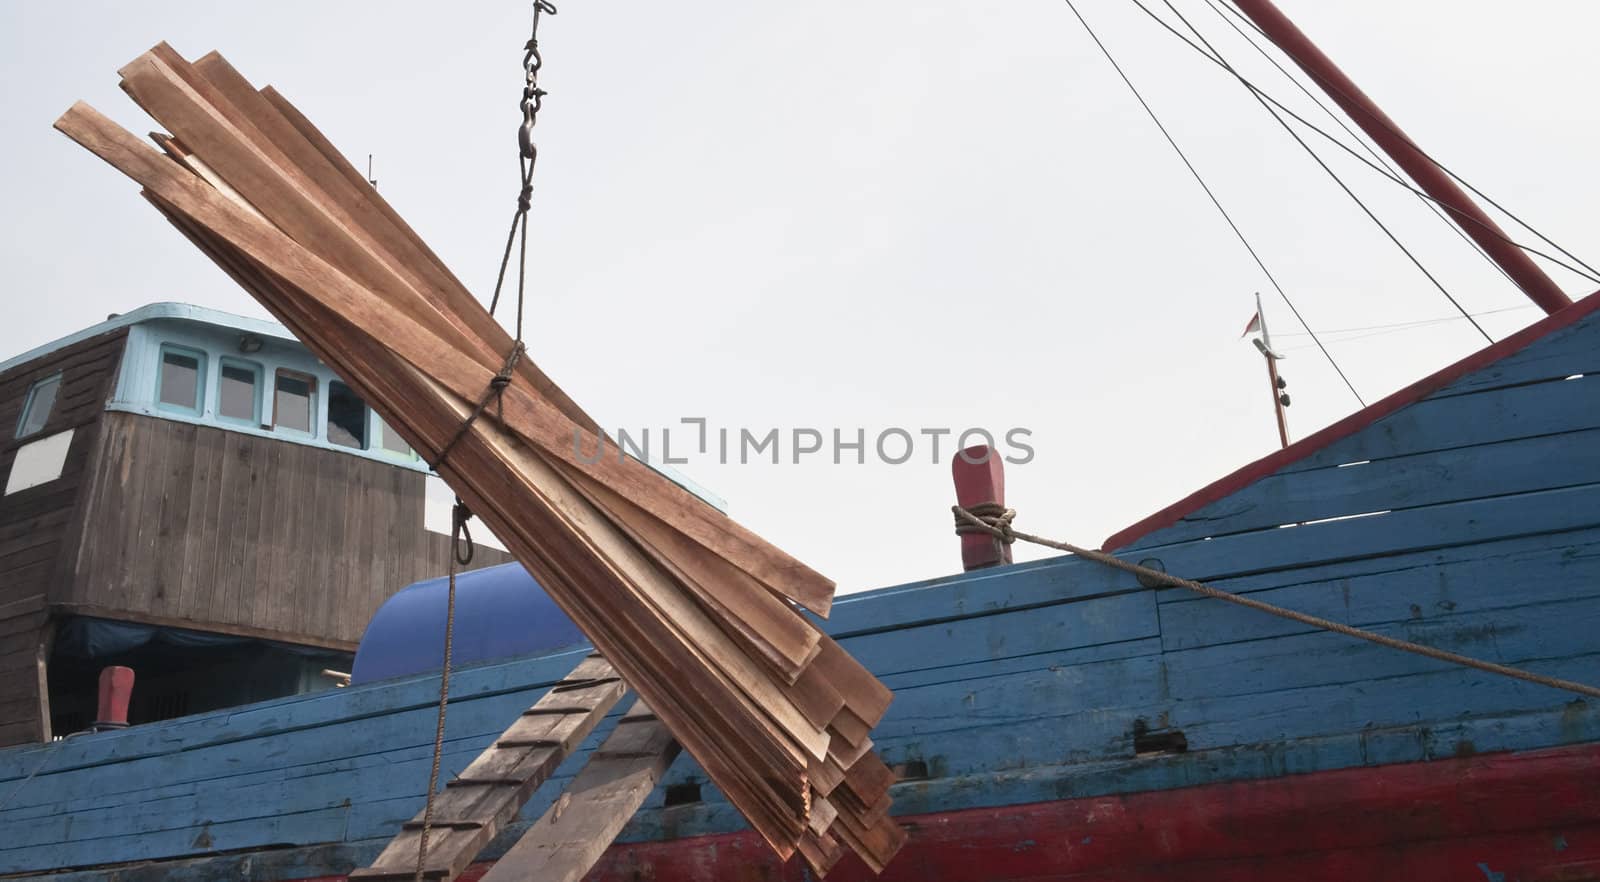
(698, 614)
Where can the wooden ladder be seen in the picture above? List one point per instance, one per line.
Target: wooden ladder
(570, 837)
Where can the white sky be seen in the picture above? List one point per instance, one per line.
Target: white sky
(890, 214)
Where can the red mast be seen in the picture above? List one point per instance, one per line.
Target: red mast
(1387, 135)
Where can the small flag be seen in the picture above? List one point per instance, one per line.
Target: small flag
(1255, 325)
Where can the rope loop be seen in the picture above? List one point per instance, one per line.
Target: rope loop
(991, 517)
(460, 533)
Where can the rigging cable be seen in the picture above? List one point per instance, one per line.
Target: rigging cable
(1213, 197)
(1415, 323)
(1587, 272)
(1446, 169)
(1325, 167)
(1322, 105)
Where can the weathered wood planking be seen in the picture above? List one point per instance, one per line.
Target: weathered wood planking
(194, 523)
(37, 525)
(1545, 462)
(1010, 722)
(1411, 587)
(1549, 407)
(1497, 811)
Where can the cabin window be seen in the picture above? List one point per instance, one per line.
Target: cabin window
(179, 379)
(239, 392)
(347, 417)
(37, 406)
(391, 441)
(293, 400)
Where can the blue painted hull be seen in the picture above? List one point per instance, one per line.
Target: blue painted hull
(1467, 518)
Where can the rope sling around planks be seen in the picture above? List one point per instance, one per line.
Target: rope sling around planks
(996, 521)
(696, 613)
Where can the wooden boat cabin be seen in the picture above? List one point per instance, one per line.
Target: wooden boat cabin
(193, 495)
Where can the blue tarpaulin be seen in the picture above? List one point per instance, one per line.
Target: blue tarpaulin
(500, 612)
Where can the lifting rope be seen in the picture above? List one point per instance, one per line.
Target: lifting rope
(461, 545)
(986, 519)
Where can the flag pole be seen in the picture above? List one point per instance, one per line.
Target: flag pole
(1280, 398)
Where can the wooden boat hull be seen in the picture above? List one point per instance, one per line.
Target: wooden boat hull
(1046, 703)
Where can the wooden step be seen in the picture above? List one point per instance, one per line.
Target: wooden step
(487, 795)
(567, 841)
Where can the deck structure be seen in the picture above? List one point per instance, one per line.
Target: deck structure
(176, 474)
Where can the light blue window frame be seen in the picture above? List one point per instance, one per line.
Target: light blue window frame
(314, 407)
(380, 430)
(27, 404)
(254, 367)
(199, 379)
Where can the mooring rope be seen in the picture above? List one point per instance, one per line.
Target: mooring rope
(999, 526)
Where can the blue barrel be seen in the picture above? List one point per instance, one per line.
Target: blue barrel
(500, 612)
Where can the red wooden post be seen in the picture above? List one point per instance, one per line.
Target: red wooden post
(980, 477)
(116, 687)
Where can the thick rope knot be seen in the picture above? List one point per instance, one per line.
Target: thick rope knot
(525, 199)
(986, 517)
(494, 392)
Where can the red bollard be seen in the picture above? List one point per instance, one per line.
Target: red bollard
(980, 477)
(116, 687)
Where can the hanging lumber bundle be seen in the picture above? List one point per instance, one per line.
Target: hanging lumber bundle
(697, 614)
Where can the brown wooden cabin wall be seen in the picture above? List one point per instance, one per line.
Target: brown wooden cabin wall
(195, 526)
(35, 523)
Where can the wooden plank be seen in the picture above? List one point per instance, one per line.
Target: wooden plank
(569, 837)
(1438, 526)
(1524, 465)
(1419, 587)
(198, 568)
(1504, 414)
(1567, 349)
(173, 536)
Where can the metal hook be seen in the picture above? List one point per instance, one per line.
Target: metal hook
(525, 136)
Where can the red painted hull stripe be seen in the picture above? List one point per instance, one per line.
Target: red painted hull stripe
(1495, 818)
